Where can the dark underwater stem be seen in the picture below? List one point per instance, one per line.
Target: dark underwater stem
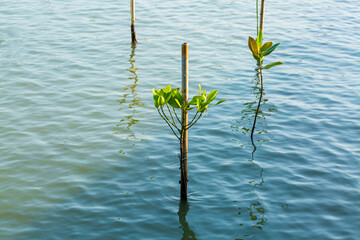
(258, 107)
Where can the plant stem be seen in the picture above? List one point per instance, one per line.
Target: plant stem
(189, 126)
(258, 107)
(176, 116)
(171, 116)
(162, 110)
(193, 118)
(169, 125)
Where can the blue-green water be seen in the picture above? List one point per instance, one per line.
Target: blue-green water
(84, 154)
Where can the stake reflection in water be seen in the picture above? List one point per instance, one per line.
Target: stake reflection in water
(183, 210)
(132, 100)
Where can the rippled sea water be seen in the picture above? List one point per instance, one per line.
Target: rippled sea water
(84, 154)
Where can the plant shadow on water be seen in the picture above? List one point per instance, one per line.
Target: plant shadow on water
(183, 210)
(133, 102)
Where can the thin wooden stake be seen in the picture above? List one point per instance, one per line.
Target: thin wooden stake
(133, 33)
(262, 13)
(184, 121)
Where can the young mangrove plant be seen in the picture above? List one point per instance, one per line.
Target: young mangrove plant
(168, 101)
(259, 51)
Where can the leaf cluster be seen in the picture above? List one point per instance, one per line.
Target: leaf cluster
(172, 97)
(172, 100)
(260, 50)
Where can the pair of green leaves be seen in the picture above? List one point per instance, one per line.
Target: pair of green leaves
(174, 98)
(259, 50)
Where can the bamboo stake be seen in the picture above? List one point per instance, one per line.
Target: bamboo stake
(184, 121)
(133, 33)
(262, 12)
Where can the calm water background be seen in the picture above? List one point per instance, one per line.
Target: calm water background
(84, 154)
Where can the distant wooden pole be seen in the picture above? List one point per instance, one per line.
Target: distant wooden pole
(262, 13)
(184, 120)
(133, 33)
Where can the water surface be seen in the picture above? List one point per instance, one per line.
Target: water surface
(84, 154)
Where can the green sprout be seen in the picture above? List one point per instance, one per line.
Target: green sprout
(259, 50)
(172, 100)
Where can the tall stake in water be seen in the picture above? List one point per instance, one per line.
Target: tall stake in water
(133, 33)
(262, 13)
(172, 100)
(184, 120)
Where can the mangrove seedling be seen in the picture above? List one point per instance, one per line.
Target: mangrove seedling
(171, 99)
(168, 101)
(259, 51)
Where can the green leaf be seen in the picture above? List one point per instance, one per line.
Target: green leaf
(168, 97)
(199, 89)
(156, 99)
(212, 96)
(203, 107)
(155, 96)
(219, 102)
(204, 93)
(253, 46)
(158, 102)
(175, 95)
(198, 102)
(256, 57)
(178, 103)
(266, 46)
(270, 50)
(154, 92)
(172, 103)
(272, 65)
(168, 89)
(194, 100)
(178, 97)
(161, 100)
(259, 38)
